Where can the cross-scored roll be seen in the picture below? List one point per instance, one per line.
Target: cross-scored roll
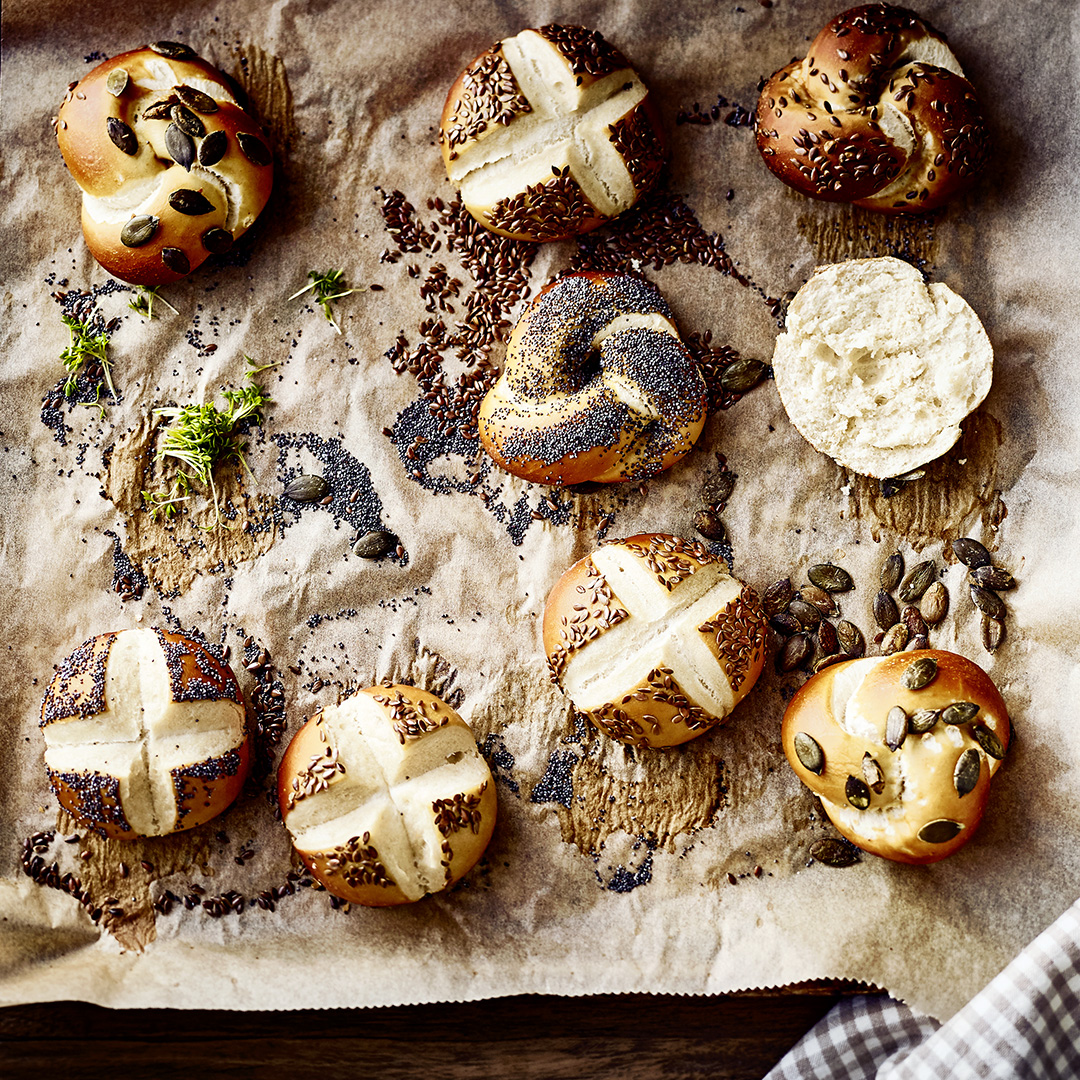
(172, 168)
(597, 386)
(386, 796)
(878, 113)
(145, 734)
(900, 749)
(653, 640)
(550, 133)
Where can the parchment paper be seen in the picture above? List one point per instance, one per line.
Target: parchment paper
(610, 870)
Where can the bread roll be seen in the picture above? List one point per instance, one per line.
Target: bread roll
(597, 386)
(172, 168)
(653, 640)
(386, 797)
(145, 734)
(877, 113)
(877, 369)
(550, 133)
(902, 766)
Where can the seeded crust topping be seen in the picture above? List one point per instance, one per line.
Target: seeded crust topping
(490, 95)
(316, 777)
(194, 674)
(358, 863)
(460, 812)
(96, 798)
(586, 51)
(634, 137)
(671, 558)
(661, 688)
(208, 772)
(411, 719)
(78, 689)
(599, 609)
(556, 208)
(740, 635)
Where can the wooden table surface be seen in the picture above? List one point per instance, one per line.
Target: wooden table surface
(532, 1037)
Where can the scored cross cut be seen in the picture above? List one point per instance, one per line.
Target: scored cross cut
(554, 124)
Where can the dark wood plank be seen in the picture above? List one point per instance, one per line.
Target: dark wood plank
(733, 1037)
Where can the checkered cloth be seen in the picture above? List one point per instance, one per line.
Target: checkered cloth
(1025, 1025)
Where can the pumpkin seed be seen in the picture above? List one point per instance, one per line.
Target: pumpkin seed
(795, 653)
(374, 544)
(918, 643)
(988, 740)
(175, 260)
(992, 577)
(923, 720)
(709, 525)
(892, 571)
(190, 202)
(160, 110)
(919, 673)
(777, 596)
(172, 49)
(967, 772)
(939, 832)
(896, 637)
(307, 488)
(187, 122)
(872, 774)
(960, 712)
(850, 638)
(993, 633)
(196, 99)
(807, 614)
(823, 662)
(917, 582)
(785, 624)
(831, 578)
(180, 145)
(934, 603)
(254, 149)
(914, 622)
(809, 753)
(896, 727)
(742, 375)
(217, 241)
(718, 488)
(970, 552)
(988, 602)
(117, 81)
(819, 598)
(827, 640)
(212, 148)
(123, 138)
(829, 851)
(858, 794)
(139, 230)
(886, 614)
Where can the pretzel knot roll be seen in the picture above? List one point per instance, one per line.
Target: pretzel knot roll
(878, 114)
(550, 133)
(900, 749)
(145, 734)
(653, 640)
(172, 168)
(386, 797)
(597, 386)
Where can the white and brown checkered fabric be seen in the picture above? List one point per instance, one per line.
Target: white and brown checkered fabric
(1025, 1025)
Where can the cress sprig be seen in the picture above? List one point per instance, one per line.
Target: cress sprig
(201, 437)
(143, 301)
(327, 287)
(85, 345)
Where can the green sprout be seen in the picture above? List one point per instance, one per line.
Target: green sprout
(326, 288)
(85, 345)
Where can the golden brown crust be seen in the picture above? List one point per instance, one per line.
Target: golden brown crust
(354, 870)
(190, 194)
(926, 790)
(820, 121)
(556, 416)
(655, 710)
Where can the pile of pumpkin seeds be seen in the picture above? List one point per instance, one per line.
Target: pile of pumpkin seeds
(715, 493)
(985, 581)
(802, 619)
(925, 603)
